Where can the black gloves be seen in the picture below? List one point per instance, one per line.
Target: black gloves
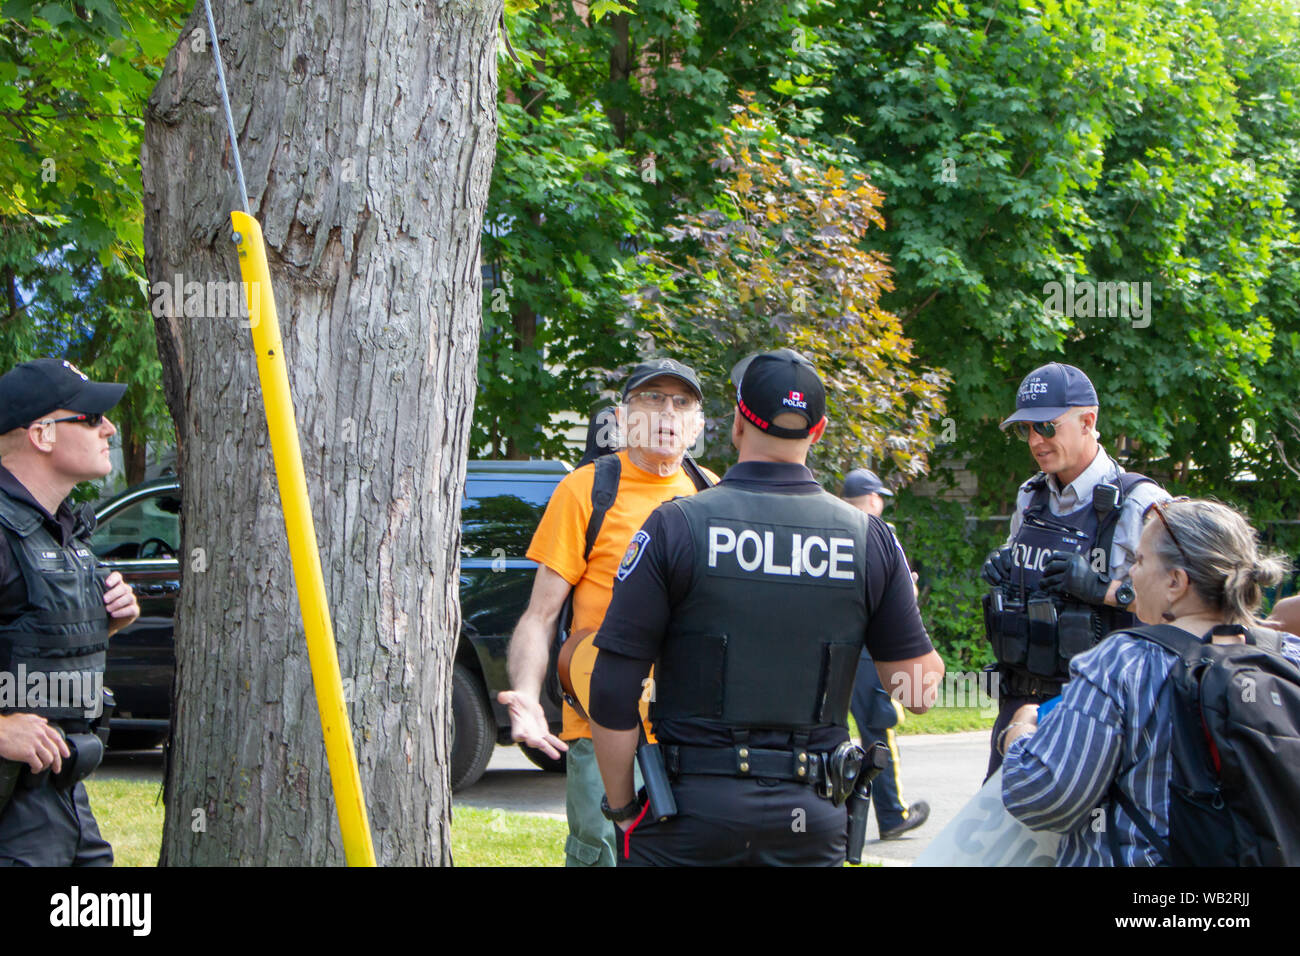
(997, 567)
(1071, 575)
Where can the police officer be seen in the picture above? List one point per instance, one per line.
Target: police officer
(1060, 583)
(872, 707)
(753, 600)
(56, 613)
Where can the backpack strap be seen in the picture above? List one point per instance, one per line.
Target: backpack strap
(604, 489)
(1127, 481)
(1265, 638)
(1117, 795)
(696, 474)
(1173, 639)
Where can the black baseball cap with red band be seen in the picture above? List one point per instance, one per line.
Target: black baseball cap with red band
(34, 389)
(770, 383)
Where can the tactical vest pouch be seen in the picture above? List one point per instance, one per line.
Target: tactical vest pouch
(839, 668)
(1041, 615)
(1007, 629)
(1078, 633)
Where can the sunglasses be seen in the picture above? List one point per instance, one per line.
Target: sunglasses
(1046, 429)
(1159, 508)
(90, 420)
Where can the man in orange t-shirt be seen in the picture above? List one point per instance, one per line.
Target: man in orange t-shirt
(661, 418)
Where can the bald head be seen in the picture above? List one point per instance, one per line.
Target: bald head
(753, 444)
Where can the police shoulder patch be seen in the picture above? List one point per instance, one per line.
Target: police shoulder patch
(635, 548)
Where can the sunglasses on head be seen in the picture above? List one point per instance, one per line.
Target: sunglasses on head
(1046, 429)
(90, 420)
(1159, 508)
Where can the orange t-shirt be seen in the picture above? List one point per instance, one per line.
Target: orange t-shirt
(561, 537)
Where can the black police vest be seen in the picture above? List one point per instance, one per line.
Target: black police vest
(58, 642)
(1035, 634)
(769, 633)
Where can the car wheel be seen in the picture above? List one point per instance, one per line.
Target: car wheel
(473, 731)
(135, 739)
(549, 764)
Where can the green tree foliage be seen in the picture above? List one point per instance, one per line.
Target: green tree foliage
(780, 257)
(73, 81)
(606, 130)
(1118, 141)
(565, 216)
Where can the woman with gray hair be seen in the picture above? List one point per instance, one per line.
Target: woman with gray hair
(1198, 568)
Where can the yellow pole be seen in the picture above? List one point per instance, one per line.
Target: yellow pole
(283, 427)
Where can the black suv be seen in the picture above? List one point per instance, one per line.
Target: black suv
(138, 534)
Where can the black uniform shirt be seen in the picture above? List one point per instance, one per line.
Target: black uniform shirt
(13, 590)
(637, 619)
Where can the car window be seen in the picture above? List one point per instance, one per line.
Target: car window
(148, 528)
(498, 517)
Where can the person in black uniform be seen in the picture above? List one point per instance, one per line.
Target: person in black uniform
(872, 707)
(57, 612)
(1060, 583)
(752, 600)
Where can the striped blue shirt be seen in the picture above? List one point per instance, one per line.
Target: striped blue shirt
(1112, 723)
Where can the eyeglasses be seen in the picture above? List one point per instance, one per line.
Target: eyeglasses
(1046, 429)
(90, 420)
(683, 403)
(1159, 508)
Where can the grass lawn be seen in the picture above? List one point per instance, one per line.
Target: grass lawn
(130, 817)
(948, 720)
(132, 822)
(497, 838)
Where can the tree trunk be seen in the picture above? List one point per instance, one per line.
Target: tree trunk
(134, 451)
(620, 69)
(368, 133)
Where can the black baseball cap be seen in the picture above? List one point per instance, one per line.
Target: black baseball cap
(30, 391)
(861, 482)
(658, 368)
(1049, 392)
(770, 383)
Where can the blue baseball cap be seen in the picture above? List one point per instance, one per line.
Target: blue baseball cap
(1049, 392)
(861, 482)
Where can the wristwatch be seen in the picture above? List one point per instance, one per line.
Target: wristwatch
(1124, 595)
(622, 813)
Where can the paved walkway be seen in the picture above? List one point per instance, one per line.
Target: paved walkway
(944, 769)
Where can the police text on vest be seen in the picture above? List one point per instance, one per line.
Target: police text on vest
(795, 555)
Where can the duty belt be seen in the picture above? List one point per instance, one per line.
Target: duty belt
(802, 766)
(1018, 683)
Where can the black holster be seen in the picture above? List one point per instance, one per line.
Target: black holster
(859, 802)
(654, 774)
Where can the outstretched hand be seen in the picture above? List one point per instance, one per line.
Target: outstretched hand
(528, 724)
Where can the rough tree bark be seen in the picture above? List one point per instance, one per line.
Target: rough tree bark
(368, 132)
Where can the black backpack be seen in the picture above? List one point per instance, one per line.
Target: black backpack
(1234, 794)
